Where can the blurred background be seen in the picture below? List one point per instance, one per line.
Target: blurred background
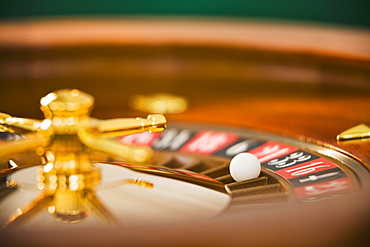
(206, 50)
(342, 12)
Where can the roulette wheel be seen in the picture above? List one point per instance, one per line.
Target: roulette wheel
(226, 88)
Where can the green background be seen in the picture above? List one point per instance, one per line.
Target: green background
(343, 12)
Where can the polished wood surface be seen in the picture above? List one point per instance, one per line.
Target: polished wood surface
(303, 96)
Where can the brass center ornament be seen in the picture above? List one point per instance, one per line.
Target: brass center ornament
(64, 139)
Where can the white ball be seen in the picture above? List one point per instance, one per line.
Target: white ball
(244, 166)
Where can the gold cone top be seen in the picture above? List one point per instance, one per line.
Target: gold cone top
(67, 100)
(67, 108)
(360, 131)
(67, 103)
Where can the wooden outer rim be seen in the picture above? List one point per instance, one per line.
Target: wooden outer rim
(274, 36)
(332, 42)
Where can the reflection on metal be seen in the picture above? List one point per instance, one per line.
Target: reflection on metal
(162, 103)
(100, 136)
(67, 185)
(360, 131)
(68, 179)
